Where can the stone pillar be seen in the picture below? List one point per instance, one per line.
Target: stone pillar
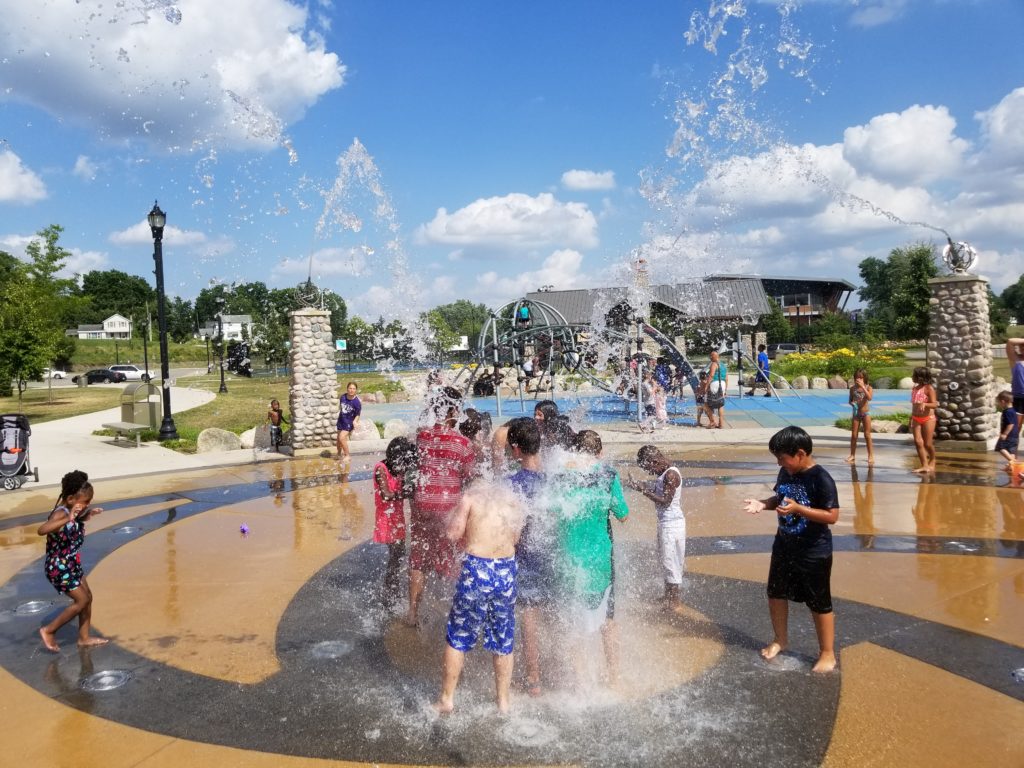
(313, 394)
(960, 359)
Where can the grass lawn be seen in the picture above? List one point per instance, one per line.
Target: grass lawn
(39, 405)
(902, 417)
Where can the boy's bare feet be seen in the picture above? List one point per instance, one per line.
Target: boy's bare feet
(48, 640)
(826, 662)
(443, 707)
(922, 471)
(91, 641)
(772, 650)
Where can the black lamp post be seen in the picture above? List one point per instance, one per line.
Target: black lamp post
(157, 220)
(117, 353)
(220, 335)
(209, 367)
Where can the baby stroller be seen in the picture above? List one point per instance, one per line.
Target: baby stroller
(14, 463)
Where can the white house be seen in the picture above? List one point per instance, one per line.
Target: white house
(114, 327)
(233, 325)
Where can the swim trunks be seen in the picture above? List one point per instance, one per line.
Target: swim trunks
(484, 603)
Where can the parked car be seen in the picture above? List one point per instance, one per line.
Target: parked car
(133, 372)
(53, 374)
(777, 350)
(101, 376)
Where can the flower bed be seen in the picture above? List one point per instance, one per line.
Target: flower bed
(839, 362)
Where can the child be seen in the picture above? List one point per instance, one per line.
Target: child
(666, 493)
(590, 494)
(806, 503)
(64, 530)
(1009, 429)
(533, 558)
(923, 402)
(390, 488)
(488, 521)
(275, 417)
(660, 403)
(860, 403)
(764, 368)
(545, 410)
(349, 410)
(476, 427)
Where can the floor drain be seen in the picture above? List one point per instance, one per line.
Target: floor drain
(726, 544)
(126, 530)
(526, 732)
(107, 680)
(331, 649)
(33, 606)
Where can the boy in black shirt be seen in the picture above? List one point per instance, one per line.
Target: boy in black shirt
(806, 503)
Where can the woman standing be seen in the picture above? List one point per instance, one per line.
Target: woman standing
(714, 392)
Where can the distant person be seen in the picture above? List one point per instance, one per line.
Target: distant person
(666, 493)
(715, 384)
(524, 318)
(349, 411)
(545, 410)
(487, 521)
(764, 368)
(275, 418)
(1009, 428)
(860, 415)
(923, 402)
(476, 427)
(64, 530)
(806, 503)
(445, 463)
(663, 374)
(1015, 356)
(391, 486)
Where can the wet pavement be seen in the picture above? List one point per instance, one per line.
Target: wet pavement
(272, 649)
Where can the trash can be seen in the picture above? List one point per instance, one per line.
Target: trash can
(140, 404)
(83, 380)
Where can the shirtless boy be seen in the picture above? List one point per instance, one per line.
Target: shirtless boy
(488, 522)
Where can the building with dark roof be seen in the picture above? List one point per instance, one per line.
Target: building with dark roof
(803, 299)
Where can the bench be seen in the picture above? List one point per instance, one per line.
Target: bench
(127, 428)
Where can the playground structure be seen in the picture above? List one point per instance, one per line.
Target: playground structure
(533, 339)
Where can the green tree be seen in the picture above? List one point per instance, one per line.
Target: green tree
(833, 331)
(896, 290)
(111, 290)
(998, 318)
(464, 318)
(29, 334)
(1012, 299)
(440, 336)
(775, 325)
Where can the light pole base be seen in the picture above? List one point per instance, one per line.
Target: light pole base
(167, 430)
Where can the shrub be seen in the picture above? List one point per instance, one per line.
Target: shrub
(842, 362)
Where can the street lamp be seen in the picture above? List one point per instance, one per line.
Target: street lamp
(157, 220)
(220, 334)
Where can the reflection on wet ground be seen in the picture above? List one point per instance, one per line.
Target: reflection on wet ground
(255, 590)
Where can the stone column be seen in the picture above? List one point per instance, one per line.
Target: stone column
(313, 394)
(960, 359)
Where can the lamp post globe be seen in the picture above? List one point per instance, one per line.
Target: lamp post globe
(157, 220)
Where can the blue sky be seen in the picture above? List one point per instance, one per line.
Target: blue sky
(515, 145)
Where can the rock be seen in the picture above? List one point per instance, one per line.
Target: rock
(906, 383)
(780, 383)
(819, 382)
(379, 397)
(837, 382)
(365, 430)
(885, 427)
(401, 396)
(800, 382)
(882, 382)
(395, 428)
(368, 398)
(214, 440)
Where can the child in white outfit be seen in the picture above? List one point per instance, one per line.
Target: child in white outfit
(666, 493)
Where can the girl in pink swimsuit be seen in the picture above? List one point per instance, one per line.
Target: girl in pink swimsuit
(923, 402)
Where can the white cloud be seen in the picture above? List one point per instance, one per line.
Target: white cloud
(874, 13)
(85, 168)
(140, 234)
(515, 221)
(18, 184)
(563, 270)
(915, 146)
(588, 180)
(346, 262)
(229, 73)
(79, 261)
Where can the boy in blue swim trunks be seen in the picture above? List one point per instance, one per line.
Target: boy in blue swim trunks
(487, 522)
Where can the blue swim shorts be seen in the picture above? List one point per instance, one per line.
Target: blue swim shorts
(484, 603)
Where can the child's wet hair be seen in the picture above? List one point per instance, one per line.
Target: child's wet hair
(788, 440)
(471, 424)
(444, 401)
(1006, 396)
(72, 484)
(588, 441)
(400, 455)
(524, 434)
(647, 455)
(547, 408)
(921, 375)
(861, 373)
(558, 431)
